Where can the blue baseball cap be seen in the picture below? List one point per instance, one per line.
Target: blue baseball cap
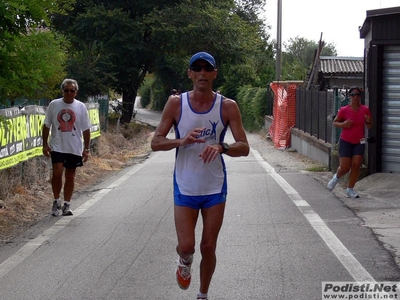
(204, 56)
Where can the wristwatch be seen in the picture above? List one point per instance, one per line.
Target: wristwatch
(225, 147)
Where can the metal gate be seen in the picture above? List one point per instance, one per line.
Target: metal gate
(391, 110)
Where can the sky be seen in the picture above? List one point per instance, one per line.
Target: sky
(337, 20)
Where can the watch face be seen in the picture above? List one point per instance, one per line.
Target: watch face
(225, 147)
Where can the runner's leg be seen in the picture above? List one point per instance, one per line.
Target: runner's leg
(212, 222)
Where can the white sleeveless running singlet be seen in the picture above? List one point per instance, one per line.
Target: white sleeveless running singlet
(191, 176)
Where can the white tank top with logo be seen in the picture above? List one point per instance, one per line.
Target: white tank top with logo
(192, 177)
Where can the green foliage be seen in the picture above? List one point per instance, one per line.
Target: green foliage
(318, 168)
(127, 46)
(152, 94)
(171, 73)
(113, 117)
(32, 65)
(237, 77)
(160, 95)
(20, 16)
(32, 58)
(118, 43)
(82, 66)
(254, 103)
(234, 35)
(298, 57)
(145, 91)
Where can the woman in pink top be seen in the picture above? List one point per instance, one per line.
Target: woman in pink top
(351, 118)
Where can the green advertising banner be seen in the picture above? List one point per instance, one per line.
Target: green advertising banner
(21, 132)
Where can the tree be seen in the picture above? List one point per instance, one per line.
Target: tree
(83, 65)
(18, 16)
(114, 35)
(250, 10)
(31, 56)
(298, 57)
(236, 37)
(32, 65)
(138, 37)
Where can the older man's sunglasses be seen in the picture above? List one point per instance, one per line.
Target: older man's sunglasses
(198, 68)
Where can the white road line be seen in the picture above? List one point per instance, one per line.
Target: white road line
(26, 250)
(352, 265)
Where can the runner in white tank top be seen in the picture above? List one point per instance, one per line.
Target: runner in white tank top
(192, 177)
(201, 118)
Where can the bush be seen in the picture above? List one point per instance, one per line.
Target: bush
(153, 94)
(253, 104)
(145, 91)
(160, 95)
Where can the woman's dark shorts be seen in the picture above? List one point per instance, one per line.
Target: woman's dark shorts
(347, 149)
(70, 161)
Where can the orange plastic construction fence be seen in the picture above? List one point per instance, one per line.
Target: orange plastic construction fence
(284, 113)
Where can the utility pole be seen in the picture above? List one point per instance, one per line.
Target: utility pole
(278, 45)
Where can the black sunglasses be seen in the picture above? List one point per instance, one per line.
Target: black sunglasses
(69, 91)
(198, 68)
(354, 94)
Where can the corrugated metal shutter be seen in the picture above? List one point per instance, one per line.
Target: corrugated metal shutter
(391, 110)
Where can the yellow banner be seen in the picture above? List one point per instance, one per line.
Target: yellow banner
(21, 132)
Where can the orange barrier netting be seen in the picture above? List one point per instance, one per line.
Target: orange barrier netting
(284, 113)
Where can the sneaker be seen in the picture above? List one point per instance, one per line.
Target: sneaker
(66, 211)
(183, 273)
(201, 298)
(332, 183)
(55, 208)
(351, 193)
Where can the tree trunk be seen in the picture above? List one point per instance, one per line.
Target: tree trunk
(128, 102)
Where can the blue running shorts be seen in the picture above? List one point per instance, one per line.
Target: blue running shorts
(199, 202)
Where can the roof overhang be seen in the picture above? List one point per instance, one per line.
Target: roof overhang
(366, 27)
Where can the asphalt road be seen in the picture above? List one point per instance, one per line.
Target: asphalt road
(283, 235)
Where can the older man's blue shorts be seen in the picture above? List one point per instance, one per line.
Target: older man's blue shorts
(199, 202)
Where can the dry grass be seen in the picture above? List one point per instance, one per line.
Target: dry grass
(25, 192)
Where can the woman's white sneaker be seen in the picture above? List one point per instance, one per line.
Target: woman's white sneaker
(332, 183)
(351, 193)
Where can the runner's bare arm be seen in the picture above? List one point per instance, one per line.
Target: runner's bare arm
(169, 118)
(233, 119)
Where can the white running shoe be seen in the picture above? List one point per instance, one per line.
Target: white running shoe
(55, 209)
(351, 193)
(66, 211)
(332, 183)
